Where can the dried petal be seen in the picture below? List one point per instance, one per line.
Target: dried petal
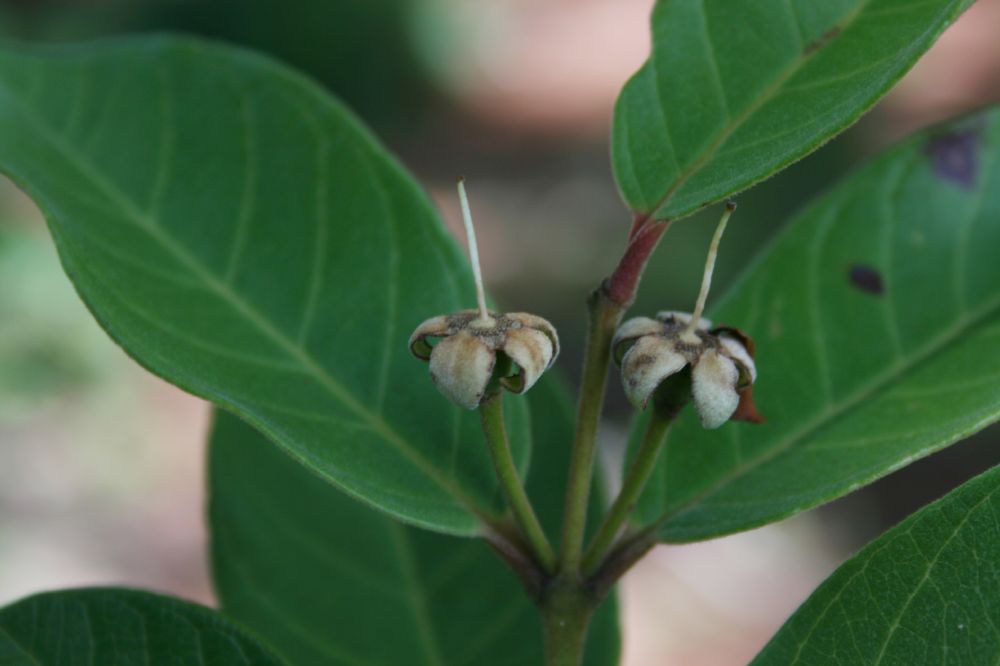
(631, 330)
(461, 366)
(434, 327)
(739, 335)
(646, 364)
(679, 318)
(735, 349)
(540, 324)
(713, 385)
(532, 351)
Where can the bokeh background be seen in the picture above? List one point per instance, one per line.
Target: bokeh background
(101, 464)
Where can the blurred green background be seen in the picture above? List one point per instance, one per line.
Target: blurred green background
(101, 465)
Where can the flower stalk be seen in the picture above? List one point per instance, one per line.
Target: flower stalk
(491, 417)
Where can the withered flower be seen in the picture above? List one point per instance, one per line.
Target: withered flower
(464, 360)
(650, 351)
(654, 352)
(470, 348)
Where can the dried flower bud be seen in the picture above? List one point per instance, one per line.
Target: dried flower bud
(722, 370)
(468, 349)
(651, 351)
(463, 361)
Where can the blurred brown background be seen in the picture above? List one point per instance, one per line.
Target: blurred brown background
(101, 468)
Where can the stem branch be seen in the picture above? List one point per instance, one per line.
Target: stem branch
(630, 549)
(491, 416)
(606, 306)
(605, 315)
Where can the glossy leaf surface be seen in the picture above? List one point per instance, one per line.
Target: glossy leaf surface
(926, 592)
(876, 315)
(239, 234)
(116, 627)
(330, 581)
(735, 91)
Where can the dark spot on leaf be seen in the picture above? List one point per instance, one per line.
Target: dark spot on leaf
(955, 156)
(821, 41)
(867, 279)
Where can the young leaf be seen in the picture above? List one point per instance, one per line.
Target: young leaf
(239, 234)
(926, 592)
(876, 316)
(116, 627)
(329, 581)
(735, 91)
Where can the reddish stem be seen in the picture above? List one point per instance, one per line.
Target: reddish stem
(643, 237)
(637, 224)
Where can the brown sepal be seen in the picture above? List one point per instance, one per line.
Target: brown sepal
(744, 339)
(747, 410)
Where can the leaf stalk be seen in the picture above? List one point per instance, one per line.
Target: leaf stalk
(632, 487)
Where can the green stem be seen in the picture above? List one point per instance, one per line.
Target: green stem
(566, 614)
(635, 480)
(491, 416)
(606, 306)
(605, 314)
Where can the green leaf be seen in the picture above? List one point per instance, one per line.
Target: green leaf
(925, 592)
(239, 234)
(735, 91)
(876, 315)
(332, 582)
(116, 627)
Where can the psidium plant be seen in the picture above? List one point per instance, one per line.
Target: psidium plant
(240, 234)
(669, 361)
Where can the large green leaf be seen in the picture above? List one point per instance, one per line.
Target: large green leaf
(926, 592)
(239, 234)
(331, 582)
(734, 91)
(115, 627)
(876, 316)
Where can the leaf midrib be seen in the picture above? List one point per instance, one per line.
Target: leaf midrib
(832, 412)
(873, 553)
(735, 123)
(312, 367)
(931, 564)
